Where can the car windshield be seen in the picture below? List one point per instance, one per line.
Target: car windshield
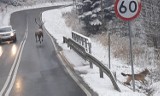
(6, 29)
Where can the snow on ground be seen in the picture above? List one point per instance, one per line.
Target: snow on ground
(55, 24)
(155, 89)
(5, 14)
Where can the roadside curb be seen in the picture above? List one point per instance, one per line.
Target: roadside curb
(70, 69)
(68, 66)
(79, 79)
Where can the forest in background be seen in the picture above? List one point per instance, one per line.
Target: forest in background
(96, 19)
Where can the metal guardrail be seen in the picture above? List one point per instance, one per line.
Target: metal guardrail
(82, 40)
(87, 56)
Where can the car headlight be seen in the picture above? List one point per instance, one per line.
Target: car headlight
(12, 34)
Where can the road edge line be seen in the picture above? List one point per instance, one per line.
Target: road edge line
(68, 70)
(16, 68)
(10, 72)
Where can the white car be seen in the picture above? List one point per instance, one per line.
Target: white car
(7, 34)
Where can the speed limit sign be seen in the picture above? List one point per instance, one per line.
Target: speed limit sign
(127, 9)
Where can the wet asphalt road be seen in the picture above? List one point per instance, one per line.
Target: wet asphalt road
(40, 72)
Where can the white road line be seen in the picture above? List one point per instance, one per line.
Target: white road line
(1, 51)
(69, 71)
(17, 66)
(74, 78)
(16, 69)
(10, 73)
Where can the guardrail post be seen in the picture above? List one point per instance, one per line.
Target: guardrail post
(85, 44)
(68, 44)
(115, 75)
(82, 41)
(91, 65)
(73, 36)
(64, 40)
(101, 73)
(87, 56)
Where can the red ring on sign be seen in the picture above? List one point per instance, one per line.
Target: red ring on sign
(127, 19)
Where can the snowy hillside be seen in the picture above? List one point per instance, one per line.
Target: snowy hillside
(145, 43)
(29, 2)
(102, 86)
(144, 56)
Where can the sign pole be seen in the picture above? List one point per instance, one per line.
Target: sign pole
(109, 44)
(128, 10)
(131, 55)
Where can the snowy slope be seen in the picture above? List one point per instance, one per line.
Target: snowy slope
(55, 24)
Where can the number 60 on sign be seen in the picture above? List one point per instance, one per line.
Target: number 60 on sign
(127, 9)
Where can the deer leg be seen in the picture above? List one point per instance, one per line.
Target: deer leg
(128, 81)
(144, 81)
(42, 37)
(39, 38)
(36, 38)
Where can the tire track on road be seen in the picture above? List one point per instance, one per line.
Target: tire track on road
(13, 72)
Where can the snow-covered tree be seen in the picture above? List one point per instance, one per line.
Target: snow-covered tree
(151, 19)
(28, 2)
(12, 2)
(94, 13)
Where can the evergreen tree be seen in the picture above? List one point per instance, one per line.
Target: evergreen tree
(94, 13)
(12, 2)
